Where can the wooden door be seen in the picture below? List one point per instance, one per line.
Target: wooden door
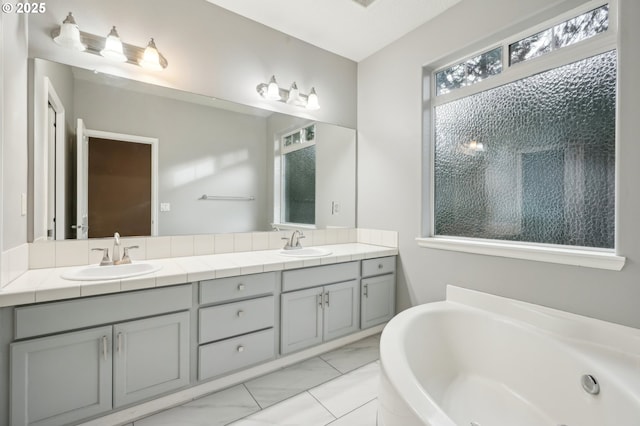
(119, 188)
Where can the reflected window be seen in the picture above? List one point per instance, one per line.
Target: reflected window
(299, 177)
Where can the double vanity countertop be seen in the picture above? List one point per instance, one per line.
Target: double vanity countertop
(43, 285)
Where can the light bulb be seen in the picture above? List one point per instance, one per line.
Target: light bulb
(113, 47)
(312, 100)
(273, 91)
(69, 35)
(151, 58)
(294, 94)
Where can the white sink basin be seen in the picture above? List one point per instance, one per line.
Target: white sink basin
(305, 252)
(111, 272)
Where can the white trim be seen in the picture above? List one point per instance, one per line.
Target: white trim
(51, 97)
(154, 166)
(565, 255)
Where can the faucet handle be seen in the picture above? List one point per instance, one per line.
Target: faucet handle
(125, 255)
(105, 256)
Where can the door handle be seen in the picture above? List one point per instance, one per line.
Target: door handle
(104, 347)
(320, 300)
(326, 299)
(119, 343)
(366, 290)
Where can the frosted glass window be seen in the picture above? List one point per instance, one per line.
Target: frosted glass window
(564, 34)
(533, 160)
(299, 186)
(470, 71)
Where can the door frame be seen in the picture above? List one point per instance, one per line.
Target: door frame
(51, 97)
(90, 133)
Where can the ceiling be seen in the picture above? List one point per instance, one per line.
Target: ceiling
(343, 27)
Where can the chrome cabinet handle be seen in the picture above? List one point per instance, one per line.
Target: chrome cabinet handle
(240, 313)
(119, 342)
(240, 287)
(240, 348)
(104, 347)
(366, 290)
(326, 299)
(380, 266)
(320, 300)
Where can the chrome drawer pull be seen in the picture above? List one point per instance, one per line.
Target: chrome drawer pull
(240, 313)
(380, 266)
(240, 287)
(240, 348)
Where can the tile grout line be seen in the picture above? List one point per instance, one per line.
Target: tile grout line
(349, 412)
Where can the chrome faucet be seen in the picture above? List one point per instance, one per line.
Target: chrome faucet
(116, 248)
(293, 243)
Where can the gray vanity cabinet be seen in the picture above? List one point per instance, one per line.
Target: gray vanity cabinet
(236, 323)
(378, 288)
(81, 368)
(61, 379)
(150, 357)
(310, 316)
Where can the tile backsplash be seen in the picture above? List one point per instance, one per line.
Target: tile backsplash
(78, 252)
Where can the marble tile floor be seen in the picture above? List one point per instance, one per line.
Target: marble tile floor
(337, 388)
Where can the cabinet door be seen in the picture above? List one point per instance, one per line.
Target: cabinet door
(378, 300)
(341, 313)
(60, 379)
(301, 316)
(151, 357)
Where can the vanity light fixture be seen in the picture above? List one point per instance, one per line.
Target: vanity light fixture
(273, 92)
(69, 35)
(312, 100)
(151, 57)
(113, 47)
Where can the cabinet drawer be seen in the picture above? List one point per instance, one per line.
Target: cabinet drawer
(228, 355)
(223, 289)
(220, 322)
(319, 275)
(379, 266)
(48, 318)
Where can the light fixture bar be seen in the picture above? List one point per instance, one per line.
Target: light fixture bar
(95, 44)
(300, 100)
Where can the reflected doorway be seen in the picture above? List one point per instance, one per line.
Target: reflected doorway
(119, 196)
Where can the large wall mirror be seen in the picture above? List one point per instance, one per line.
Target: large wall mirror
(111, 154)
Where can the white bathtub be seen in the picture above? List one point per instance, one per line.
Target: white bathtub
(482, 360)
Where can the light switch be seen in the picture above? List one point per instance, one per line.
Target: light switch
(165, 207)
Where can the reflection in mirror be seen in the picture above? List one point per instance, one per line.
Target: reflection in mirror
(111, 154)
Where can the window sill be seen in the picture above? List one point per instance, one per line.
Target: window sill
(294, 226)
(589, 258)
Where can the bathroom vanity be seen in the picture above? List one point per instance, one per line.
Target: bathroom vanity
(75, 359)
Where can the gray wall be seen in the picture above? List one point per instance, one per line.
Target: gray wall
(202, 150)
(390, 171)
(210, 51)
(13, 132)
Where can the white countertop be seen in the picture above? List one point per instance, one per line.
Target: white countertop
(43, 285)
